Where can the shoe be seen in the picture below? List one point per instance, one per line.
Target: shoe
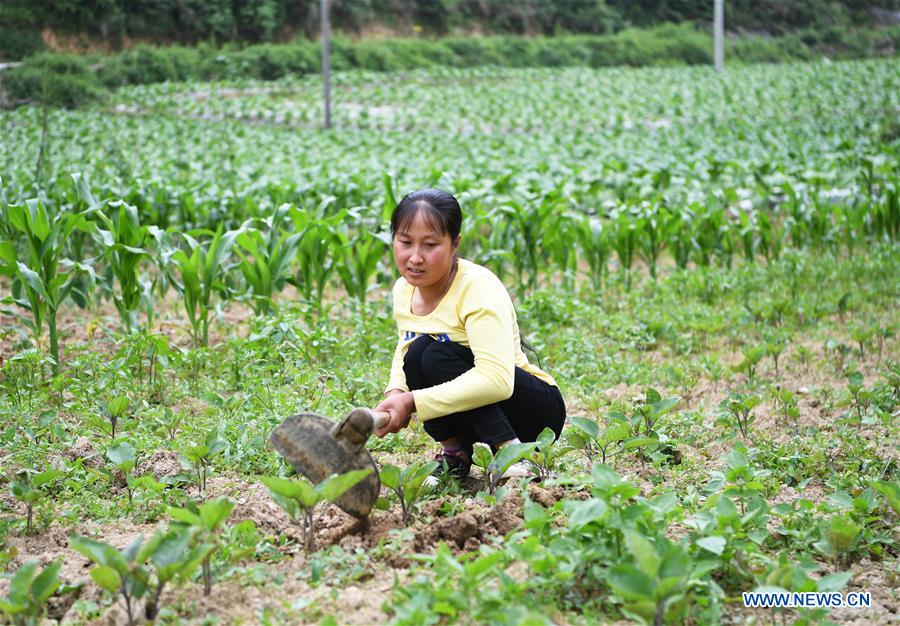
(519, 469)
(453, 465)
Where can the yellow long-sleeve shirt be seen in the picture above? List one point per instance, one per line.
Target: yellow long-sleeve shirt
(476, 312)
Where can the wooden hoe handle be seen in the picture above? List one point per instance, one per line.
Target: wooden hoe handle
(381, 418)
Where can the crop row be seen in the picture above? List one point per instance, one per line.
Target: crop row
(103, 249)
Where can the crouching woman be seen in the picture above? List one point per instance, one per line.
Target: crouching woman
(459, 364)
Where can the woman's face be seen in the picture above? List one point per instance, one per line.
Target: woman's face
(424, 256)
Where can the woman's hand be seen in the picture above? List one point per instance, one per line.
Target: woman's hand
(400, 404)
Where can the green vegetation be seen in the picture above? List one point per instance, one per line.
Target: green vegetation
(64, 80)
(707, 265)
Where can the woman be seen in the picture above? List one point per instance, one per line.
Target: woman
(459, 363)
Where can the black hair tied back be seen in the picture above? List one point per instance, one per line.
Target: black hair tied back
(440, 208)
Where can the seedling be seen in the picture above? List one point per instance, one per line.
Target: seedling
(30, 488)
(495, 465)
(857, 389)
(199, 457)
(124, 457)
(204, 526)
(774, 348)
(786, 403)
(740, 407)
(546, 455)
(653, 584)
(840, 534)
(585, 436)
(861, 335)
(407, 484)
(25, 603)
(298, 497)
(752, 356)
(126, 572)
(114, 410)
(804, 355)
(743, 481)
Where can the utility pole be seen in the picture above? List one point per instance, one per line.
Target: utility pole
(326, 63)
(718, 34)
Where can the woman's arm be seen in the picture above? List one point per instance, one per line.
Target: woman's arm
(486, 312)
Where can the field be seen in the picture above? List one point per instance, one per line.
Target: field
(706, 264)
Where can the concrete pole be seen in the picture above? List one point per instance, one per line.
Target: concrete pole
(719, 34)
(326, 63)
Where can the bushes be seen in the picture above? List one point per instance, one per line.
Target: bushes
(56, 79)
(70, 82)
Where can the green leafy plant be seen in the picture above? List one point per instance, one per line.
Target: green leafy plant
(42, 277)
(740, 407)
(130, 572)
(124, 457)
(25, 603)
(298, 497)
(653, 585)
(203, 524)
(113, 411)
(407, 484)
(585, 437)
(203, 270)
(546, 455)
(752, 356)
(266, 258)
(29, 488)
(494, 465)
(840, 534)
(199, 457)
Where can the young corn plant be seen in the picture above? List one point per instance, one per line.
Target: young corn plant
(358, 258)
(203, 524)
(266, 258)
(316, 250)
(41, 278)
(407, 484)
(298, 497)
(203, 273)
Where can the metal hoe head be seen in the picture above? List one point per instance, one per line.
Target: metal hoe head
(317, 447)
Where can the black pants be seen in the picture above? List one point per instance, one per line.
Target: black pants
(533, 406)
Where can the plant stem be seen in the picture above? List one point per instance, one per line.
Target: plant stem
(207, 577)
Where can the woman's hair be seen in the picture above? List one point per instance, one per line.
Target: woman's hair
(439, 209)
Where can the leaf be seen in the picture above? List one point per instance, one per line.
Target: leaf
(215, 512)
(107, 577)
(482, 457)
(714, 544)
(47, 476)
(644, 553)
(184, 515)
(46, 583)
(117, 406)
(483, 565)
(21, 581)
(833, 582)
(122, 455)
(509, 454)
(584, 512)
(336, 485)
(298, 489)
(390, 476)
(630, 583)
(586, 425)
